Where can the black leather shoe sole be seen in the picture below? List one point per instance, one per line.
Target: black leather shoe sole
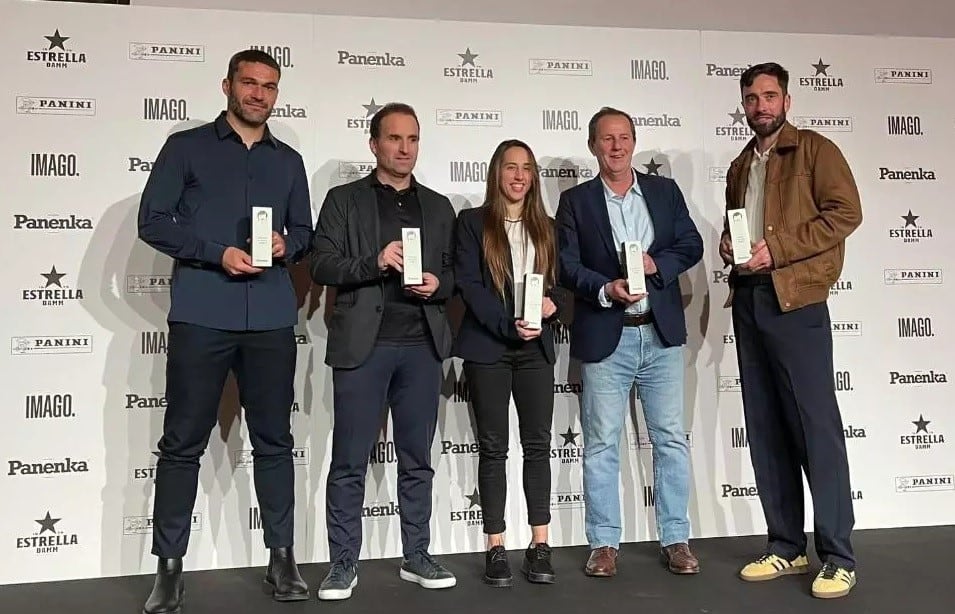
(538, 578)
(269, 589)
(178, 610)
(499, 582)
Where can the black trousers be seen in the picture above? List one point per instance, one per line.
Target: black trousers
(408, 378)
(198, 361)
(793, 421)
(525, 372)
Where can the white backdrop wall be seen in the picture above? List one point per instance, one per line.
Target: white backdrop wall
(85, 303)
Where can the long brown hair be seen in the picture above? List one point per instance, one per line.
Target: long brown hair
(537, 224)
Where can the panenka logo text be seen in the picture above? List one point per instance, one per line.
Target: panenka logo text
(386, 60)
(573, 171)
(51, 222)
(917, 378)
(46, 467)
(663, 120)
(733, 71)
(906, 174)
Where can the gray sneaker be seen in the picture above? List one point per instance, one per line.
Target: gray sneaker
(339, 582)
(422, 569)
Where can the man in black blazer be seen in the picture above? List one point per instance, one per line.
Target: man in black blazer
(622, 337)
(386, 342)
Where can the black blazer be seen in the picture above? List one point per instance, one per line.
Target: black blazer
(487, 328)
(345, 249)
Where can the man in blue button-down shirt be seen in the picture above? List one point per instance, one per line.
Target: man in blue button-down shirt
(622, 338)
(227, 314)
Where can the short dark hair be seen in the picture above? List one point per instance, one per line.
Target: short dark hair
(767, 68)
(390, 109)
(603, 112)
(251, 55)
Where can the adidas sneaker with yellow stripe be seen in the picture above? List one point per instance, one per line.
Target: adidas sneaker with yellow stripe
(771, 566)
(833, 581)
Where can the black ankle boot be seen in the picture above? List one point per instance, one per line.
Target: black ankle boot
(282, 579)
(168, 589)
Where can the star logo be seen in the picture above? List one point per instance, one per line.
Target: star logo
(737, 117)
(46, 523)
(910, 219)
(652, 167)
(570, 437)
(56, 40)
(467, 58)
(474, 498)
(371, 108)
(921, 425)
(53, 278)
(821, 68)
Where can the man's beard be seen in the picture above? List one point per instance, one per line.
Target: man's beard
(236, 107)
(763, 130)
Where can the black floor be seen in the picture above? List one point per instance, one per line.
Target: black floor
(901, 571)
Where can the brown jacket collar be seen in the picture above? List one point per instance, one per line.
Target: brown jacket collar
(788, 139)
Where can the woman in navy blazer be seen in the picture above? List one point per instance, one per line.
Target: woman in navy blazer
(497, 243)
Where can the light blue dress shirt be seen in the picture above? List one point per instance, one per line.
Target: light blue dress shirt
(630, 221)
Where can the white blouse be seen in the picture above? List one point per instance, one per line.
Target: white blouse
(522, 260)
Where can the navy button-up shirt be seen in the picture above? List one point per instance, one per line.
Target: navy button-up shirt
(198, 201)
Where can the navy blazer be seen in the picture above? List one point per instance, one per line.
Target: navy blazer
(487, 328)
(589, 259)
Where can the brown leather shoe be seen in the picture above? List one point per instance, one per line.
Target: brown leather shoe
(602, 562)
(680, 560)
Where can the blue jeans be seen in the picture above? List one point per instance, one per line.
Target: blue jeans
(658, 372)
